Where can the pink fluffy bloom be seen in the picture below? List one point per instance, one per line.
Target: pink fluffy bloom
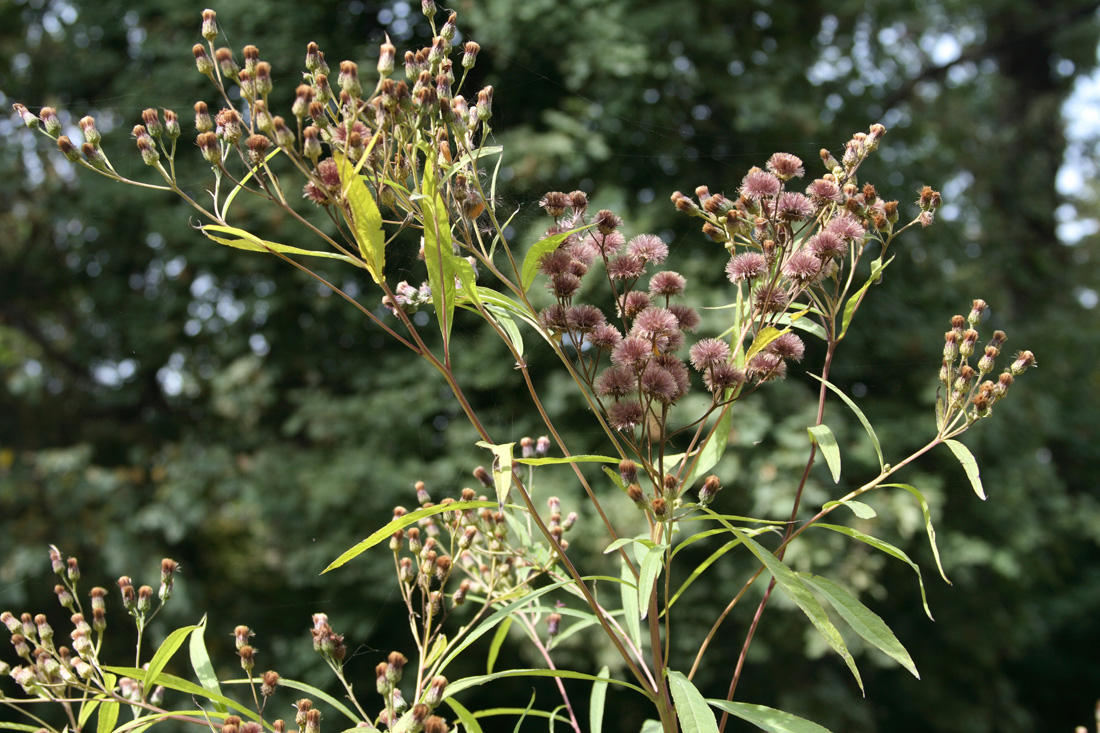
(802, 267)
(634, 303)
(788, 346)
(846, 227)
(746, 266)
(708, 353)
(827, 245)
(654, 322)
(625, 267)
(786, 166)
(667, 283)
(625, 415)
(760, 185)
(823, 190)
(648, 248)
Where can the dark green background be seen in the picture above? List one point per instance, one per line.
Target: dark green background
(296, 426)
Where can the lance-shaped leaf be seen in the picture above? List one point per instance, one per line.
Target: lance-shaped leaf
(363, 216)
(539, 250)
(769, 719)
(826, 442)
(797, 591)
(857, 297)
(438, 254)
(692, 710)
(502, 469)
(863, 620)
(966, 458)
(241, 239)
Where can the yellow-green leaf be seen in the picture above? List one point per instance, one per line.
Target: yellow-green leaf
(363, 216)
(241, 239)
(826, 441)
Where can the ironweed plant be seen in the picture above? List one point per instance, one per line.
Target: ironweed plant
(387, 158)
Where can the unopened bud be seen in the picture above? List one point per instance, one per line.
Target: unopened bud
(72, 569)
(469, 54)
(209, 24)
(149, 154)
(211, 150)
(976, 312)
(157, 697)
(241, 635)
(386, 55)
(485, 103)
(311, 143)
(247, 655)
(28, 117)
(50, 123)
(428, 8)
(553, 624)
(270, 682)
(313, 721)
(145, 599)
(303, 707)
(65, 598)
(711, 487)
(11, 622)
(65, 145)
(202, 61)
(349, 78)
(226, 63)
(459, 596)
(203, 121)
(1024, 359)
(660, 507)
(21, 647)
(171, 124)
(434, 696)
(483, 477)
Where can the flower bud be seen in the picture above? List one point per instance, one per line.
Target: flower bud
(976, 312)
(11, 622)
(483, 477)
(428, 8)
(553, 624)
(50, 123)
(459, 596)
(313, 721)
(966, 348)
(209, 24)
(129, 597)
(311, 143)
(263, 79)
(229, 68)
(270, 682)
(711, 487)
(157, 696)
(485, 103)
(152, 122)
(149, 154)
(28, 117)
(65, 145)
(211, 150)
(145, 599)
(386, 55)
(258, 146)
(660, 507)
(202, 60)
(65, 598)
(1024, 359)
(80, 625)
(349, 78)
(99, 620)
(406, 573)
(21, 647)
(469, 55)
(203, 122)
(247, 655)
(45, 631)
(171, 124)
(434, 695)
(382, 684)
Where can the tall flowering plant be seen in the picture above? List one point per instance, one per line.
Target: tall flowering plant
(379, 160)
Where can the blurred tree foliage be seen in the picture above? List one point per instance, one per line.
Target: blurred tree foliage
(164, 396)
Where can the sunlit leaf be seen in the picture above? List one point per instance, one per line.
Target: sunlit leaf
(692, 710)
(363, 216)
(769, 719)
(966, 458)
(857, 297)
(859, 415)
(823, 437)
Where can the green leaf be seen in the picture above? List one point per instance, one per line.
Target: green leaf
(467, 278)
(523, 715)
(164, 653)
(241, 239)
(19, 726)
(857, 297)
(498, 640)
(886, 547)
(566, 459)
(863, 620)
(597, 701)
(178, 683)
(468, 682)
(240, 186)
(363, 216)
(692, 709)
(769, 719)
(861, 510)
(86, 710)
(108, 716)
(539, 250)
(438, 254)
(469, 722)
(200, 662)
(318, 694)
(437, 650)
(701, 568)
(763, 338)
(502, 469)
(401, 522)
(966, 458)
(631, 616)
(927, 524)
(652, 564)
(714, 447)
(490, 622)
(859, 415)
(796, 590)
(823, 437)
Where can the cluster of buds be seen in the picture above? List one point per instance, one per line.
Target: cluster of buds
(328, 643)
(966, 385)
(307, 717)
(556, 524)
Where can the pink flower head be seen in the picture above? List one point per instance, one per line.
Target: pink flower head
(847, 228)
(823, 190)
(634, 303)
(667, 283)
(615, 382)
(708, 353)
(746, 266)
(721, 377)
(654, 322)
(606, 244)
(605, 337)
(759, 185)
(787, 346)
(625, 267)
(827, 245)
(584, 318)
(648, 248)
(793, 206)
(786, 166)
(686, 317)
(658, 384)
(802, 267)
(632, 352)
(625, 415)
